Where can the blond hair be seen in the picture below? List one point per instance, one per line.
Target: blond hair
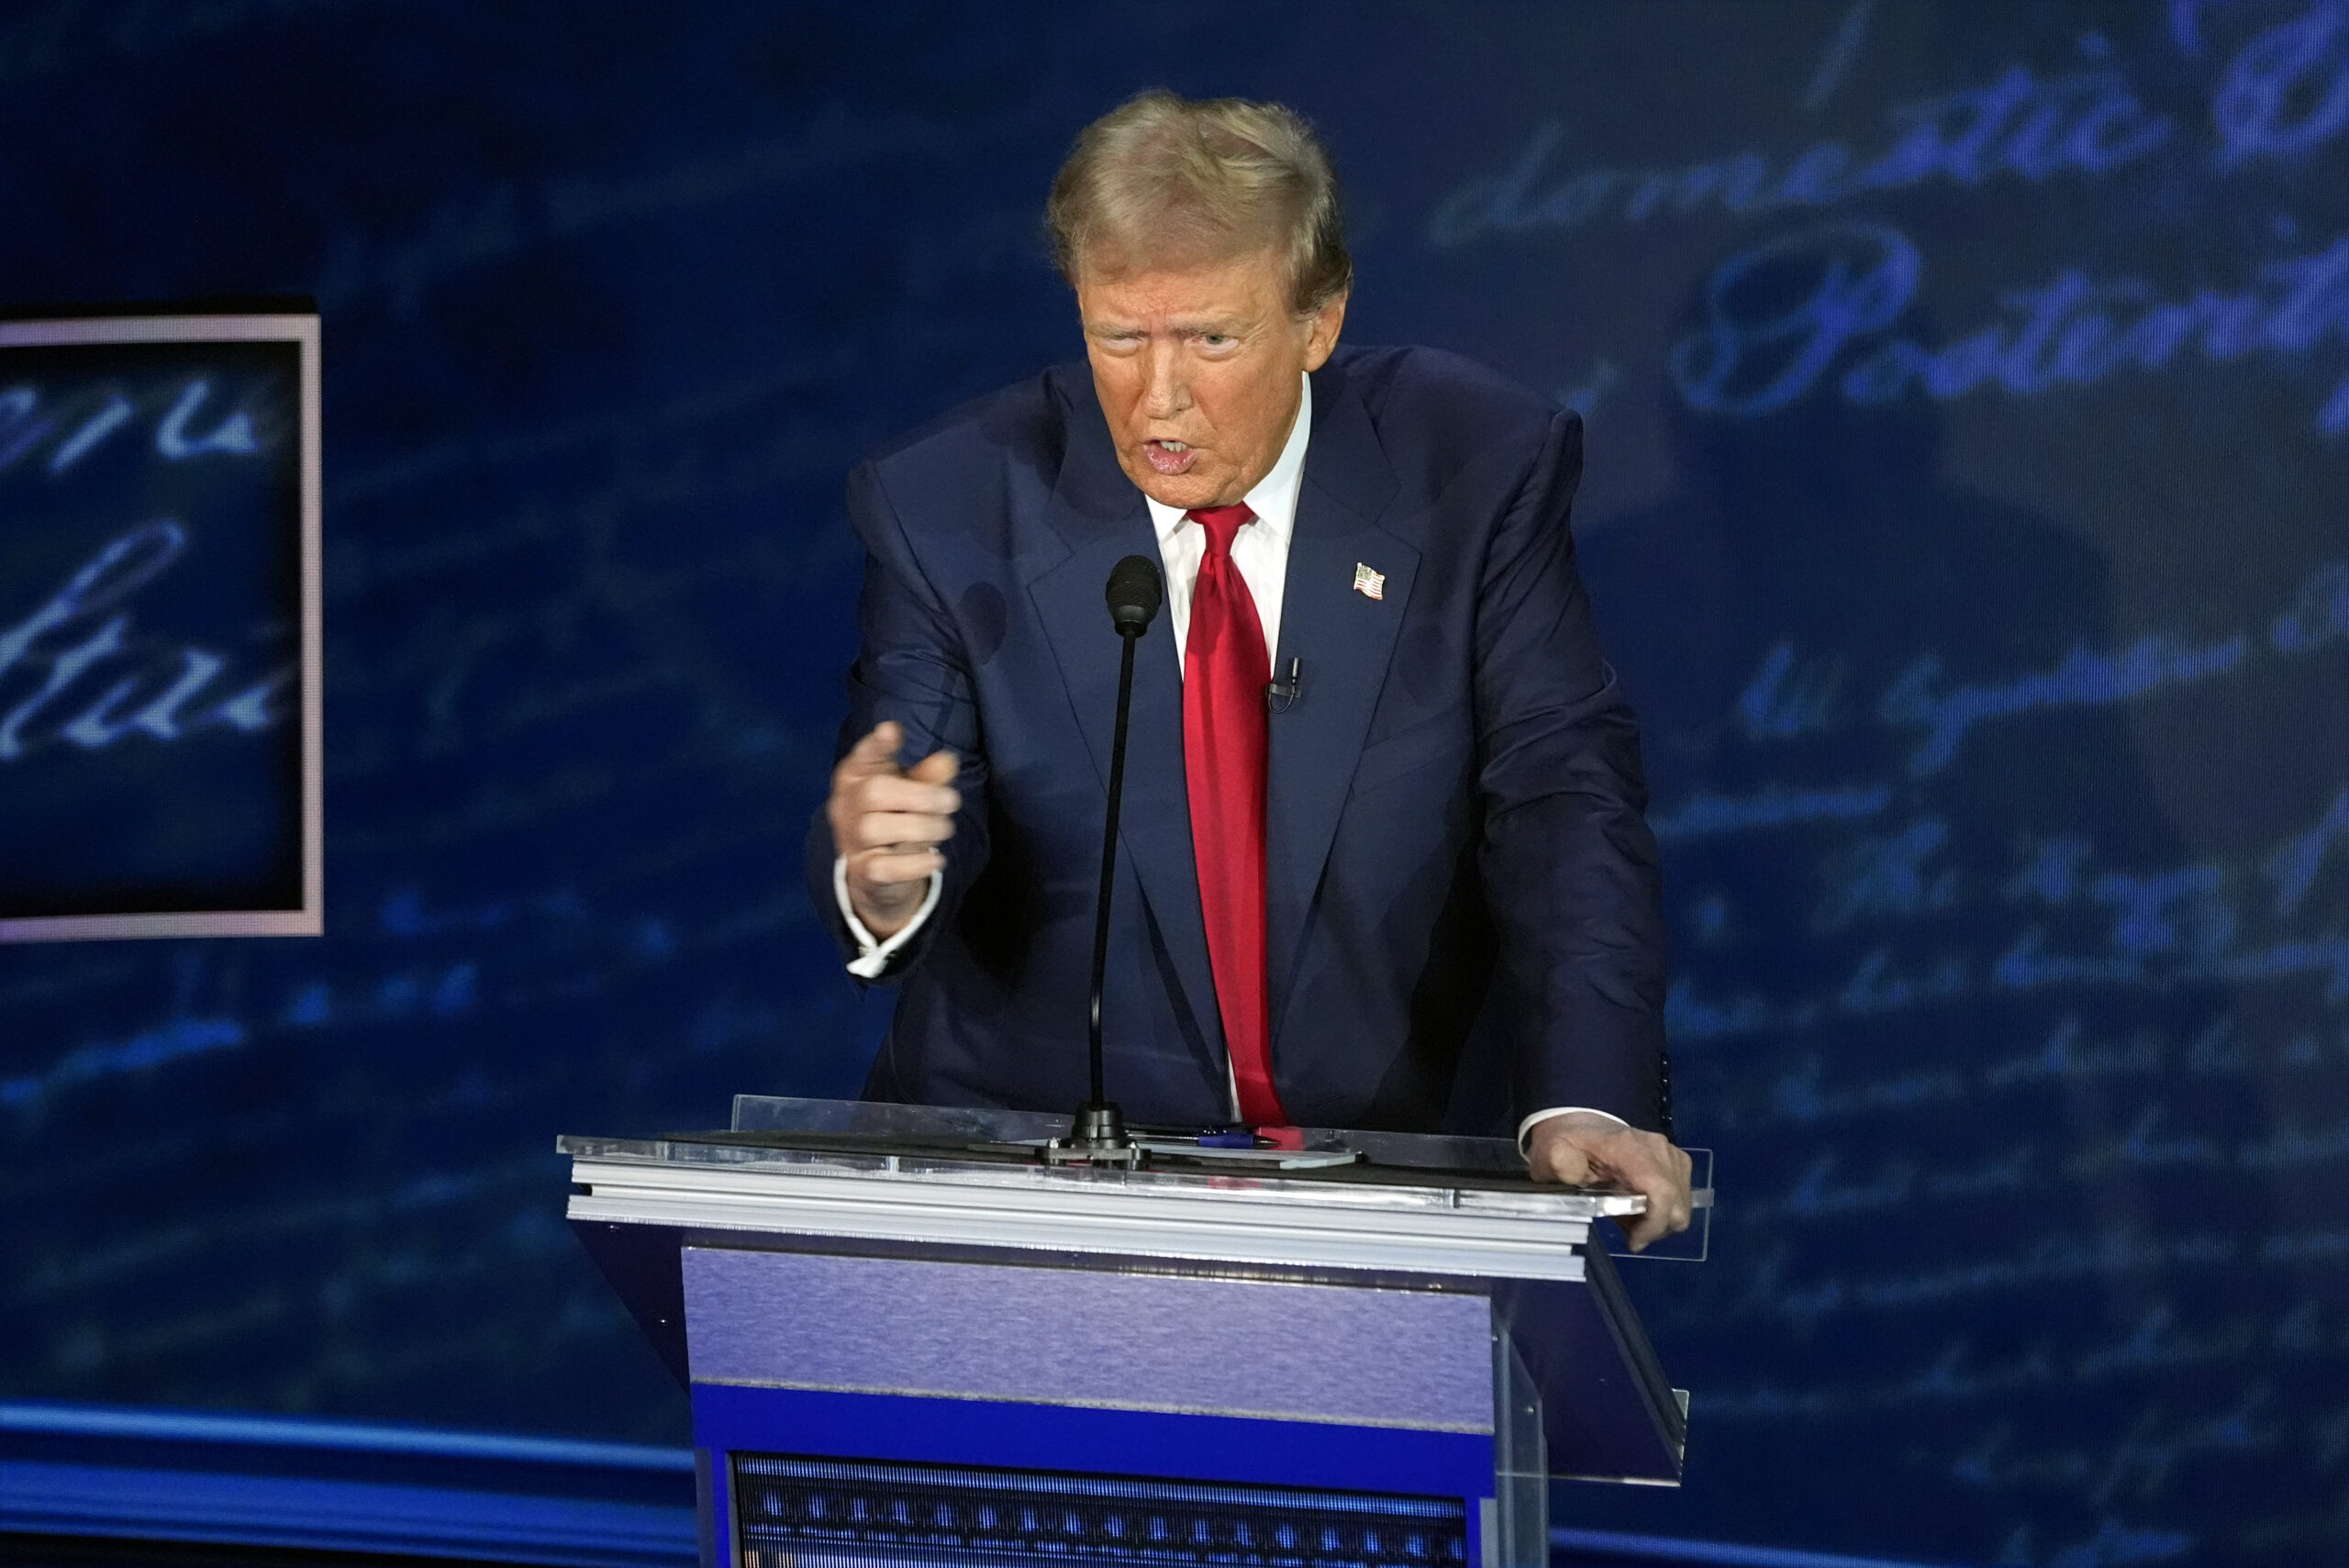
(1163, 180)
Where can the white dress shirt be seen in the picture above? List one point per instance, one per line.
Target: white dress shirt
(1261, 552)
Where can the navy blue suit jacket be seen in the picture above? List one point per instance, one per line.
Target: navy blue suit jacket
(1463, 911)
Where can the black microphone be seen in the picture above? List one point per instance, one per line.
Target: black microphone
(1134, 596)
(1281, 696)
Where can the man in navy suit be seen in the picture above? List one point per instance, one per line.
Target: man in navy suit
(1419, 891)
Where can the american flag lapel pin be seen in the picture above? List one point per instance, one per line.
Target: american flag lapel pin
(1368, 584)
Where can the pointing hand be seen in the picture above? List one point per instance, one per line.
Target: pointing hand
(887, 824)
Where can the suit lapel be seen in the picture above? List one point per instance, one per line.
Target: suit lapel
(1342, 639)
(1099, 515)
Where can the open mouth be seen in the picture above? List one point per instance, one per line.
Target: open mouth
(1170, 458)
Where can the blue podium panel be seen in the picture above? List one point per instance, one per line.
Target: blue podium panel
(1189, 1343)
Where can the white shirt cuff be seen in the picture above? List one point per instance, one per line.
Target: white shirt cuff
(1525, 1128)
(873, 956)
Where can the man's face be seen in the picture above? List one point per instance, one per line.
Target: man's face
(1199, 371)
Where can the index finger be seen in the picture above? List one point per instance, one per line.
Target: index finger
(878, 753)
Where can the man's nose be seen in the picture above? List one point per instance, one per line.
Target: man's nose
(1165, 392)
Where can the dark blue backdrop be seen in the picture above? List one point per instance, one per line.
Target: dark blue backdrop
(1969, 511)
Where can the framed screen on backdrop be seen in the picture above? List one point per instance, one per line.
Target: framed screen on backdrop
(160, 705)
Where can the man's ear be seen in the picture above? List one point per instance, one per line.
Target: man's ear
(1327, 323)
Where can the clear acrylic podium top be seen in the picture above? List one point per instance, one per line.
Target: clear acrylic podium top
(988, 1154)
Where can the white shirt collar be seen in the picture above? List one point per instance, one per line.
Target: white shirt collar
(1274, 500)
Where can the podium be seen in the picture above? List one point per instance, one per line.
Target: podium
(907, 1338)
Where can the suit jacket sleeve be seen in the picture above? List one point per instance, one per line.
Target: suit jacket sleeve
(1569, 866)
(910, 667)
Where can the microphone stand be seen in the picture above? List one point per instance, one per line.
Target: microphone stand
(1097, 1133)
(1099, 1123)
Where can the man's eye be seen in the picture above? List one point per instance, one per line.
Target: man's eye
(1215, 339)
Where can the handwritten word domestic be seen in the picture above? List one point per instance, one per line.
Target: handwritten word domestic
(2017, 124)
(2282, 93)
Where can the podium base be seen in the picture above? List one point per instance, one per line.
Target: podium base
(804, 1477)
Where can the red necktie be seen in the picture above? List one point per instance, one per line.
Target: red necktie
(1225, 666)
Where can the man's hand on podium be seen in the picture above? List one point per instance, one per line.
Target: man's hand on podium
(887, 823)
(1582, 1150)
